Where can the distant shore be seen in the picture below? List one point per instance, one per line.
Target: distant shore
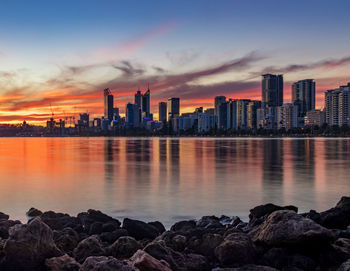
(275, 238)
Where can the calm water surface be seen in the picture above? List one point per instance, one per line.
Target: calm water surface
(170, 179)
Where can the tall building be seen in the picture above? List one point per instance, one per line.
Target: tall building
(108, 104)
(162, 111)
(242, 113)
(221, 111)
(252, 119)
(272, 90)
(132, 116)
(303, 95)
(315, 117)
(173, 108)
(232, 114)
(138, 98)
(206, 122)
(337, 102)
(287, 116)
(146, 104)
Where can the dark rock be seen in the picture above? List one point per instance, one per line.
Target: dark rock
(336, 254)
(183, 226)
(285, 259)
(66, 240)
(5, 225)
(286, 228)
(111, 237)
(29, 245)
(344, 266)
(206, 245)
(34, 212)
(145, 262)
(103, 263)
(109, 227)
(209, 222)
(250, 267)
(124, 247)
(62, 263)
(96, 228)
(90, 246)
(173, 240)
(91, 216)
(59, 221)
(195, 262)
(237, 249)
(259, 213)
(139, 229)
(160, 227)
(4, 216)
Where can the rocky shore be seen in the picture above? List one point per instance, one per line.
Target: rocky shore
(275, 238)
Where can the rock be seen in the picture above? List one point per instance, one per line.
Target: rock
(145, 262)
(336, 254)
(4, 216)
(237, 249)
(195, 262)
(209, 222)
(96, 228)
(5, 225)
(286, 259)
(159, 226)
(183, 226)
(139, 229)
(29, 245)
(92, 216)
(34, 212)
(173, 240)
(62, 263)
(90, 246)
(344, 266)
(250, 267)
(207, 244)
(66, 240)
(103, 263)
(124, 247)
(109, 227)
(111, 237)
(259, 213)
(59, 221)
(286, 228)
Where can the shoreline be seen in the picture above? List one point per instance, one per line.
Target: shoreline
(274, 238)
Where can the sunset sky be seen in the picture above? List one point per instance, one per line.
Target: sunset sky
(64, 53)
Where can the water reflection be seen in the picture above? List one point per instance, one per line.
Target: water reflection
(170, 178)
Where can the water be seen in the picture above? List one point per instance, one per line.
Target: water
(169, 179)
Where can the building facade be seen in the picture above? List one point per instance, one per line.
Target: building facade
(173, 108)
(108, 104)
(162, 110)
(272, 90)
(337, 106)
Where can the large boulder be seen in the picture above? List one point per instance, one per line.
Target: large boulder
(237, 249)
(33, 212)
(92, 216)
(139, 229)
(4, 216)
(124, 247)
(5, 225)
(111, 237)
(59, 221)
(183, 226)
(62, 263)
(66, 240)
(286, 228)
(90, 246)
(209, 222)
(158, 225)
(334, 218)
(28, 246)
(145, 262)
(206, 245)
(259, 213)
(103, 263)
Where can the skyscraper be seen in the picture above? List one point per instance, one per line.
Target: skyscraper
(138, 98)
(272, 89)
(162, 111)
(337, 103)
(304, 96)
(108, 104)
(221, 112)
(132, 116)
(146, 101)
(173, 108)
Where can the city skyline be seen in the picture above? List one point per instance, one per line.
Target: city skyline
(54, 60)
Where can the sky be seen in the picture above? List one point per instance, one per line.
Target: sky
(58, 56)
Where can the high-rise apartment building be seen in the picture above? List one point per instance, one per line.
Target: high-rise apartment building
(108, 104)
(162, 106)
(173, 108)
(287, 116)
(146, 104)
(132, 115)
(337, 102)
(272, 90)
(303, 95)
